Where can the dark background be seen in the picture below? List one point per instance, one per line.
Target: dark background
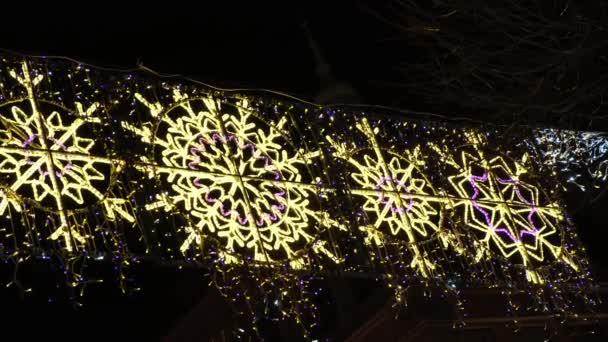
(230, 45)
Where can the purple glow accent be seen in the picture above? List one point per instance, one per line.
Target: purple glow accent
(400, 185)
(29, 140)
(272, 216)
(210, 200)
(223, 211)
(486, 215)
(242, 219)
(26, 143)
(521, 198)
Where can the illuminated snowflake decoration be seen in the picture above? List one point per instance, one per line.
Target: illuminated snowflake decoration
(399, 200)
(511, 215)
(44, 159)
(235, 177)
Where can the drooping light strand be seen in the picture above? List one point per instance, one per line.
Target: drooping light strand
(272, 195)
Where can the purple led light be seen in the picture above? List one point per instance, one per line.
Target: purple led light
(26, 143)
(242, 219)
(523, 199)
(400, 185)
(472, 180)
(29, 140)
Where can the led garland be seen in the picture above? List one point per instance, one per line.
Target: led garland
(580, 157)
(398, 197)
(48, 159)
(239, 184)
(232, 177)
(496, 201)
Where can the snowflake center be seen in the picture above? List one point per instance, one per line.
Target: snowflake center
(34, 142)
(473, 181)
(263, 207)
(387, 183)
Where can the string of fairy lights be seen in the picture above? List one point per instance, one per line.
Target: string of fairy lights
(580, 157)
(270, 194)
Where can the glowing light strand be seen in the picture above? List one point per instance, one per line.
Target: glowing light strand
(398, 196)
(581, 157)
(234, 177)
(37, 142)
(504, 208)
(270, 215)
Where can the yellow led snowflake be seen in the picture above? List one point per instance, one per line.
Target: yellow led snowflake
(399, 200)
(496, 200)
(45, 160)
(236, 177)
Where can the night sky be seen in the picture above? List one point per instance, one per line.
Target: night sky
(228, 46)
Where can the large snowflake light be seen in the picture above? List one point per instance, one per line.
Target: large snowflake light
(236, 177)
(510, 214)
(47, 163)
(399, 200)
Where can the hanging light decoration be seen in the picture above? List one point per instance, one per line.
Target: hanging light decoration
(269, 194)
